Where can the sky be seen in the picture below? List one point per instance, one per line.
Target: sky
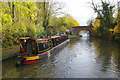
(80, 10)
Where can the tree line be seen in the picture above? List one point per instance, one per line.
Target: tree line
(105, 24)
(33, 19)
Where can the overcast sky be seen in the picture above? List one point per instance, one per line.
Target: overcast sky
(80, 9)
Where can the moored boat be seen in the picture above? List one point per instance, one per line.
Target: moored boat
(33, 50)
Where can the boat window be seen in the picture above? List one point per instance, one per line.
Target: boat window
(33, 47)
(29, 46)
(50, 44)
(41, 46)
(46, 45)
(56, 41)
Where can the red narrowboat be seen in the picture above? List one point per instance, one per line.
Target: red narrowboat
(33, 50)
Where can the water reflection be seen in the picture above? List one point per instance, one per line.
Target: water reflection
(107, 55)
(72, 44)
(84, 57)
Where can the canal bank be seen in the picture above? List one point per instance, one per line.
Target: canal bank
(10, 52)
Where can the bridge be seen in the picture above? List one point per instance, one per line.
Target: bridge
(77, 29)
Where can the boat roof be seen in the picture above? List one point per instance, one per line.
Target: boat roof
(41, 39)
(44, 39)
(24, 38)
(56, 36)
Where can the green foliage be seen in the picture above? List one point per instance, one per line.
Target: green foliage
(32, 19)
(17, 21)
(62, 23)
(105, 23)
(105, 15)
(74, 36)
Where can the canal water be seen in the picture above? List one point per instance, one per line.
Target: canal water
(83, 57)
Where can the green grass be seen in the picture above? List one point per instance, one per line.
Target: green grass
(9, 53)
(10, 47)
(74, 35)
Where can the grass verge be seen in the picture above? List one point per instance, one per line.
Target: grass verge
(10, 51)
(74, 35)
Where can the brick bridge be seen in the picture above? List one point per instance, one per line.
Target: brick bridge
(77, 29)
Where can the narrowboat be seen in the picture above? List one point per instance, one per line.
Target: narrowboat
(33, 50)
